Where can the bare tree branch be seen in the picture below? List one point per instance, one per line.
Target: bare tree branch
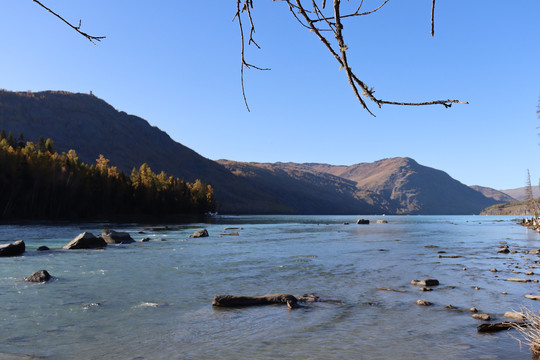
(76, 28)
(310, 17)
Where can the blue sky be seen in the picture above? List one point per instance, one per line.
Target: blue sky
(177, 65)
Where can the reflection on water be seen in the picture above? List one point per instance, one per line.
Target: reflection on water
(152, 300)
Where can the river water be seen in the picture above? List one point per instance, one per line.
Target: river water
(152, 300)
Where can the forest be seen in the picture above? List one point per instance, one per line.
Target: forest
(38, 183)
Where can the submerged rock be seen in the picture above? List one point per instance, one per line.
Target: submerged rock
(487, 328)
(86, 240)
(200, 233)
(43, 248)
(14, 249)
(517, 280)
(39, 276)
(239, 301)
(116, 237)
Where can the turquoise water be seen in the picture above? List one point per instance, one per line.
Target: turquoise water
(152, 300)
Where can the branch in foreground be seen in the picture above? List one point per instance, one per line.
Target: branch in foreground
(91, 38)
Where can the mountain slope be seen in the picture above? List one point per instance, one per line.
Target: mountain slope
(520, 194)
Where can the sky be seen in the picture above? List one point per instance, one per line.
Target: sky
(177, 65)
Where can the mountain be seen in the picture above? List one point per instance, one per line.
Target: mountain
(410, 188)
(92, 127)
(499, 196)
(519, 193)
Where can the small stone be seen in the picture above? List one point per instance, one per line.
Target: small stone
(425, 289)
(483, 317)
(493, 270)
(43, 248)
(426, 282)
(504, 293)
(533, 297)
(514, 315)
(423, 302)
(529, 273)
(476, 288)
(449, 306)
(199, 233)
(517, 280)
(473, 310)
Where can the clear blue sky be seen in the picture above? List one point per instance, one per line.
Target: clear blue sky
(176, 64)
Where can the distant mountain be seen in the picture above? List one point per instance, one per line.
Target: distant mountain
(519, 193)
(499, 196)
(92, 127)
(411, 188)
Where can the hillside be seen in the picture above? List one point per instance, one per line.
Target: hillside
(522, 208)
(92, 127)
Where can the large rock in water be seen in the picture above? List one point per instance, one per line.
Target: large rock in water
(14, 249)
(237, 301)
(116, 237)
(39, 276)
(199, 233)
(86, 240)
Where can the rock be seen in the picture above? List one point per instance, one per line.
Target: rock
(493, 270)
(431, 246)
(43, 248)
(425, 289)
(529, 273)
(232, 234)
(473, 310)
(345, 223)
(533, 297)
(423, 302)
(481, 316)
(534, 252)
(362, 222)
(14, 249)
(86, 240)
(200, 233)
(504, 250)
(238, 301)
(426, 282)
(487, 328)
(145, 239)
(39, 276)
(389, 289)
(233, 228)
(514, 315)
(382, 222)
(116, 237)
(517, 280)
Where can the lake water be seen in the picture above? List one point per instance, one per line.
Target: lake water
(152, 300)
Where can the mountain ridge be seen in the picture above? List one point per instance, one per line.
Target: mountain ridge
(92, 127)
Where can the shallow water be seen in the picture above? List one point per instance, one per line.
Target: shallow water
(152, 300)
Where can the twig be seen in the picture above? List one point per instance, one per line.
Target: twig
(433, 18)
(91, 38)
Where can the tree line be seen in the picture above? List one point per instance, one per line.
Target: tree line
(37, 182)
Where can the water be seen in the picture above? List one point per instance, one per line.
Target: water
(152, 300)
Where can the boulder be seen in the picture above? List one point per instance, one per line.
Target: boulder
(533, 297)
(487, 328)
(86, 240)
(200, 233)
(39, 276)
(116, 237)
(238, 301)
(14, 249)
(362, 222)
(426, 282)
